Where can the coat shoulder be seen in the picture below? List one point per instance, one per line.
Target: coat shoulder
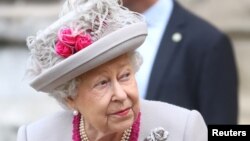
(161, 113)
(49, 128)
(179, 122)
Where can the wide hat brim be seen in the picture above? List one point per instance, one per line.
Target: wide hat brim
(103, 50)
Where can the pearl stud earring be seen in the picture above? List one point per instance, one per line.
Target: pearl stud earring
(75, 112)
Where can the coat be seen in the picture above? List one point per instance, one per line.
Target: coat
(181, 124)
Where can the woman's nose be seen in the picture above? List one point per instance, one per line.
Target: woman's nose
(118, 92)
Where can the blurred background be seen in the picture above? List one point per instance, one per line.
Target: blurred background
(19, 104)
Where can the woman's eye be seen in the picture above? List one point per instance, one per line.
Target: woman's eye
(125, 76)
(102, 83)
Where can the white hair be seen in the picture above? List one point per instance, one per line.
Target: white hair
(69, 89)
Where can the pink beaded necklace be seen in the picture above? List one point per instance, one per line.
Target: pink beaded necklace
(78, 133)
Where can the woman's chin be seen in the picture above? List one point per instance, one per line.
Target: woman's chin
(122, 127)
(122, 121)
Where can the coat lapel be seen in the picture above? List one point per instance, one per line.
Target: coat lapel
(166, 50)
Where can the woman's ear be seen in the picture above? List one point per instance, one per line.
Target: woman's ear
(70, 102)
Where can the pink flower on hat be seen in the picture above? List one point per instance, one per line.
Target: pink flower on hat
(82, 41)
(63, 50)
(69, 43)
(66, 36)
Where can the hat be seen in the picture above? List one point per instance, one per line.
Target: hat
(87, 34)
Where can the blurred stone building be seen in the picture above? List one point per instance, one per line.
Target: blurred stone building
(19, 104)
(20, 18)
(233, 18)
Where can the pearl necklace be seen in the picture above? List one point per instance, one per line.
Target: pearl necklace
(84, 137)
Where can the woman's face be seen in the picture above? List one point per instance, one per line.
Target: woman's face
(108, 96)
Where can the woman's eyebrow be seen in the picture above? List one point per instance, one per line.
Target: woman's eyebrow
(122, 65)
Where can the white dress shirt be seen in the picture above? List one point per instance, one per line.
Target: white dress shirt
(157, 18)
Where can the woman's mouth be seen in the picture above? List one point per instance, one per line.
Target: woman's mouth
(122, 112)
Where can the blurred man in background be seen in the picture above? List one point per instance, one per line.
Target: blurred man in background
(195, 62)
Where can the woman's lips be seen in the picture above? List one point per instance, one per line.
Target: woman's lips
(122, 112)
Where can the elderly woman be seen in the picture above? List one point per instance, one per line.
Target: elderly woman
(86, 60)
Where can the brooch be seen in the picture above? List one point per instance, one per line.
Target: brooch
(157, 134)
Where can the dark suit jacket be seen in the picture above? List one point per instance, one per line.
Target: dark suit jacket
(199, 72)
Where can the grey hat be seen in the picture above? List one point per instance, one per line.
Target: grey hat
(87, 34)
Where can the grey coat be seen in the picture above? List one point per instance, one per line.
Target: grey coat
(180, 124)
